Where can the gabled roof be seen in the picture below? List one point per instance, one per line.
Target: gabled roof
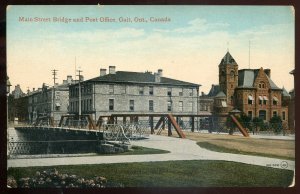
(215, 89)
(248, 76)
(228, 59)
(138, 77)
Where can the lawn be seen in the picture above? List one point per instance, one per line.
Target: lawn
(283, 149)
(218, 148)
(175, 174)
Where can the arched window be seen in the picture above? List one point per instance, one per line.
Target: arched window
(261, 84)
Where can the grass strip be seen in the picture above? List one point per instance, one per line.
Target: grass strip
(218, 148)
(193, 173)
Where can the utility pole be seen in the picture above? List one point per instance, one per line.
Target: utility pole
(54, 73)
(79, 93)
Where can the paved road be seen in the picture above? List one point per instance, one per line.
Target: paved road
(181, 149)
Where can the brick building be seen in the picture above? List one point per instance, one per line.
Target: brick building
(133, 92)
(249, 90)
(49, 101)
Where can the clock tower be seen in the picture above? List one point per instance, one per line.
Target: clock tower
(228, 77)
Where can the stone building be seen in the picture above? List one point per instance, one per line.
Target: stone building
(17, 92)
(49, 101)
(133, 92)
(249, 90)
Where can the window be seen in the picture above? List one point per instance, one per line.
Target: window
(180, 106)
(141, 90)
(274, 113)
(151, 90)
(169, 104)
(263, 114)
(261, 85)
(275, 100)
(123, 89)
(231, 73)
(169, 91)
(91, 104)
(111, 89)
(283, 115)
(181, 92)
(260, 100)
(151, 105)
(111, 104)
(265, 100)
(87, 104)
(250, 99)
(191, 92)
(190, 106)
(131, 105)
(250, 114)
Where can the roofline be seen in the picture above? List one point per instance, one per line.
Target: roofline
(134, 82)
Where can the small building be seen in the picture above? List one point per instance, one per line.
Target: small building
(127, 92)
(52, 101)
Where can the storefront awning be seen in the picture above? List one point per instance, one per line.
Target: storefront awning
(265, 98)
(275, 98)
(260, 98)
(250, 97)
(57, 104)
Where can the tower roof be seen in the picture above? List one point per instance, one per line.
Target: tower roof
(228, 60)
(220, 95)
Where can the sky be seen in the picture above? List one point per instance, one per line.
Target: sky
(189, 47)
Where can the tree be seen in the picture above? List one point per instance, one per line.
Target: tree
(257, 123)
(245, 121)
(276, 124)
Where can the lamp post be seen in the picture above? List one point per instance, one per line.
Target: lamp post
(8, 84)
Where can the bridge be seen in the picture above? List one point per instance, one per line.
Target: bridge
(77, 132)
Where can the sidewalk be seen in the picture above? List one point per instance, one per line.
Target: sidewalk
(181, 149)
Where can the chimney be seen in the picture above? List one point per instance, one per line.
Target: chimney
(159, 71)
(33, 89)
(268, 72)
(102, 72)
(202, 93)
(112, 69)
(65, 81)
(157, 77)
(69, 79)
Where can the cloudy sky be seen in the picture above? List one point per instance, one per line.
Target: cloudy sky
(189, 47)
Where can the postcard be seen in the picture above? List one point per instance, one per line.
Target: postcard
(103, 96)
